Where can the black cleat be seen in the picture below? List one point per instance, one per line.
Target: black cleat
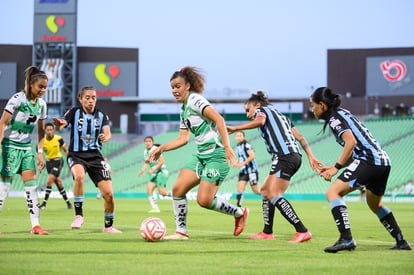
(402, 246)
(341, 245)
(69, 205)
(42, 206)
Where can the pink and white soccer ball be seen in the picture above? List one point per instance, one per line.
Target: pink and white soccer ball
(153, 229)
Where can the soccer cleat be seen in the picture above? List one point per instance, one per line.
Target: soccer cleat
(402, 246)
(42, 206)
(154, 210)
(1, 233)
(341, 245)
(240, 222)
(111, 230)
(176, 236)
(262, 235)
(69, 205)
(77, 222)
(38, 230)
(301, 237)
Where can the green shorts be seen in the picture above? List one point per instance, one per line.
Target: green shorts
(211, 167)
(159, 178)
(14, 161)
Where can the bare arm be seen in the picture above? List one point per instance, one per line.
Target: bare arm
(144, 166)
(106, 135)
(257, 122)
(328, 172)
(181, 140)
(59, 123)
(40, 137)
(210, 113)
(5, 119)
(64, 149)
(314, 163)
(250, 158)
(158, 166)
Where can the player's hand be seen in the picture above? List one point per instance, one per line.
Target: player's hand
(328, 172)
(102, 137)
(230, 157)
(40, 162)
(230, 129)
(58, 122)
(155, 154)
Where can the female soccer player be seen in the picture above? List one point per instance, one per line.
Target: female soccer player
(248, 167)
(158, 172)
(210, 165)
(23, 112)
(279, 135)
(366, 164)
(53, 145)
(90, 128)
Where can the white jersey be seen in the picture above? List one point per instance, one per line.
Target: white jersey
(25, 115)
(205, 131)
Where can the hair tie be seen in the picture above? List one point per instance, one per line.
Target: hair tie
(182, 70)
(35, 75)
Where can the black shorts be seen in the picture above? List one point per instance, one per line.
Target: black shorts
(360, 174)
(54, 166)
(252, 178)
(286, 166)
(93, 163)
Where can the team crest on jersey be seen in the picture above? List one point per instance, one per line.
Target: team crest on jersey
(88, 139)
(335, 124)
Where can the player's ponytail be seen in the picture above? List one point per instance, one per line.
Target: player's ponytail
(193, 76)
(331, 100)
(32, 74)
(259, 97)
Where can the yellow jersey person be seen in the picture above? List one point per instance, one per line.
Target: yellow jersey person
(53, 147)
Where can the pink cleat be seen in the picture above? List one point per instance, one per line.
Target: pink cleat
(77, 222)
(38, 230)
(262, 235)
(301, 237)
(240, 222)
(111, 230)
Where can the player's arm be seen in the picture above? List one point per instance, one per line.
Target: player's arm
(59, 123)
(106, 135)
(158, 166)
(64, 148)
(350, 142)
(5, 119)
(259, 121)
(250, 158)
(314, 163)
(181, 140)
(143, 168)
(40, 137)
(210, 113)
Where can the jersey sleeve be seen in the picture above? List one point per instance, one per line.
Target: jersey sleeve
(61, 142)
(248, 147)
(13, 103)
(105, 120)
(198, 103)
(44, 109)
(338, 125)
(68, 116)
(259, 112)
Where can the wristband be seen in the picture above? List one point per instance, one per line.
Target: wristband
(338, 166)
(40, 150)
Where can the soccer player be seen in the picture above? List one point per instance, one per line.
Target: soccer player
(52, 146)
(366, 164)
(208, 167)
(158, 172)
(22, 113)
(280, 137)
(89, 129)
(248, 167)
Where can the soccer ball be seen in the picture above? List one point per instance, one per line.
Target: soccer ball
(153, 229)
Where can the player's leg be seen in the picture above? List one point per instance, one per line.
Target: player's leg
(374, 194)
(241, 185)
(187, 179)
(78, 173)
(105, 188)
(6, 177)
(62, 191)
(268, 210)
(49, 183)
(212, 175)
(5, 183)
(152, 199)
(339, 211)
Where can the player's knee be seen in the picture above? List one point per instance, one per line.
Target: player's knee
(204, 202)
(79, 177)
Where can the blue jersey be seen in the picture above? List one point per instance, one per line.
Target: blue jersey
(277, 132)
(242, 150)
(367, 147)
(85, 129)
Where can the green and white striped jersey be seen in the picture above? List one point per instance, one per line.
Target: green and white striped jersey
(205, 131)
(25, 115)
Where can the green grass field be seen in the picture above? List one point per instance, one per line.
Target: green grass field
(212, 249)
